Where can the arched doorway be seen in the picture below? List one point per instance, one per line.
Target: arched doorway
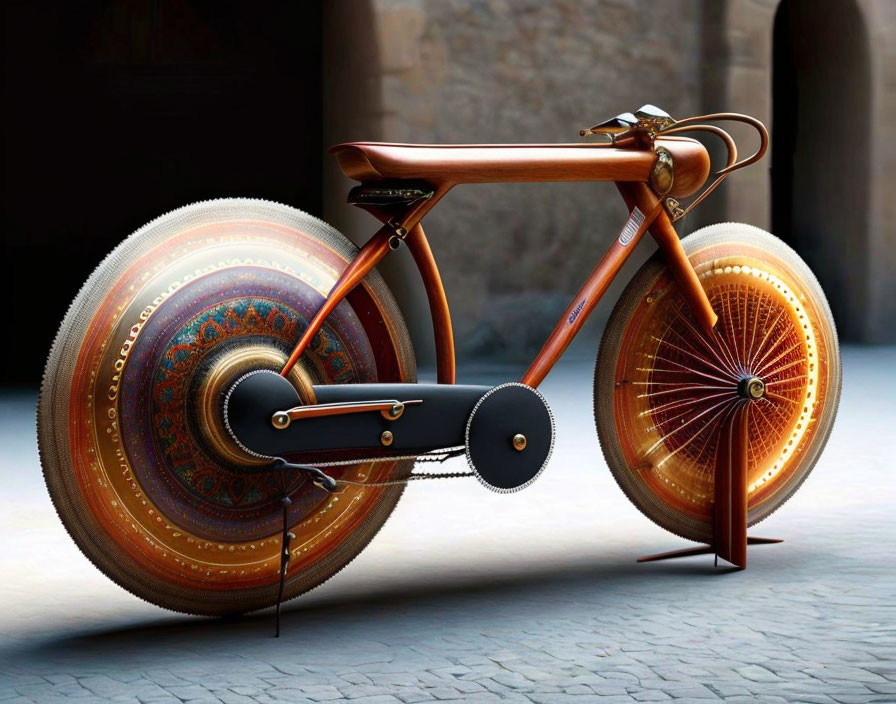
(820, 148)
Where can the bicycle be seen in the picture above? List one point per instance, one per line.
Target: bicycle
(230, 410)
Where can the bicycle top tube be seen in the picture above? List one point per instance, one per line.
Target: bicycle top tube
(449, 165)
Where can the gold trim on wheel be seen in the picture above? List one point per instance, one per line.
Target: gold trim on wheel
(138, 465)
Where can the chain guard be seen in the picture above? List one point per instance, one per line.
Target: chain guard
(436, 422)
(480, 421)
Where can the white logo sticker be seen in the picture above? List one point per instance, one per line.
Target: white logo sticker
(631, 227)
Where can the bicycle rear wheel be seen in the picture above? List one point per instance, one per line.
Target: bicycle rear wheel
(663, 387)
(136, 457)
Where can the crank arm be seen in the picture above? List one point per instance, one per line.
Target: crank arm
(389, 409)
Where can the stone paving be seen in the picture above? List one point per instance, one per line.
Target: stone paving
(533, 597)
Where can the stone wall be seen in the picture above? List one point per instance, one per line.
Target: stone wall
(845, 215)
(512, 255)
(880, 322)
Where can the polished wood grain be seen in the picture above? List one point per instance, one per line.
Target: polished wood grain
(438, 304)
(593, 289)
(370, 255)
(663, 232)
(450, 165)
(730, 505)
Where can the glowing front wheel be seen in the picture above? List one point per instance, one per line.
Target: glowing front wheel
(663, 387)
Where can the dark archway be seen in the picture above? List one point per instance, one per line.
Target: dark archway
(820, 148)
(118, 111)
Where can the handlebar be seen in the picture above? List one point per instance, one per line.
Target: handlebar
(698, 124)
(642, 127)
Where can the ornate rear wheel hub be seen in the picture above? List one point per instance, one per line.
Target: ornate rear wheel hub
(215, 379)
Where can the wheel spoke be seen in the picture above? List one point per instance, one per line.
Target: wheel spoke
(775, 344)
(681, 415)
(657, 370)
(676, 383)
(698, 358)
(708, 437)
(756, 310)
(760, 413)
(689, 401)
(685, 425)
(692, 371)
(727, 327)
(779, 397)
(790, 349)
(719, 336)
(731, 402)
(785, 380)
(702, 338)
(699, 387)
(764, 339)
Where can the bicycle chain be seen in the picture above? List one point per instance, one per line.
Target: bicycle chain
(440, 457)
(412, 477)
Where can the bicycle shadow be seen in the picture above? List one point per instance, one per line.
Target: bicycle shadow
(406, 606)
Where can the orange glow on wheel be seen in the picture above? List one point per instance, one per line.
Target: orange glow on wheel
(773, 350)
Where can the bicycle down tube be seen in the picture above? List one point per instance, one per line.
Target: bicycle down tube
(645, 213)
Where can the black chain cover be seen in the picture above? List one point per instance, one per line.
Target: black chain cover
(501, 414)
(437, 423)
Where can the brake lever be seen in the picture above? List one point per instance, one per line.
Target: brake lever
(644, 123)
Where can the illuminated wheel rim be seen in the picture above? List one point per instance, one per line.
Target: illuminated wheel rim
(774, 350)
(135, 456)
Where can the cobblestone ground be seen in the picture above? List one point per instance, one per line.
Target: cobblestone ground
(533, 597)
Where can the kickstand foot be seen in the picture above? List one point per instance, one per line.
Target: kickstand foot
(729, 531)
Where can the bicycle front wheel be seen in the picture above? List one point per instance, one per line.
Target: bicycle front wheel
(663, 387)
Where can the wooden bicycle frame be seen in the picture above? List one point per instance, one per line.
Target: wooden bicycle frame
(651, 171)
(444, 167)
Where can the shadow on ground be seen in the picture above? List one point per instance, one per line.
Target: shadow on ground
(412, 600)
